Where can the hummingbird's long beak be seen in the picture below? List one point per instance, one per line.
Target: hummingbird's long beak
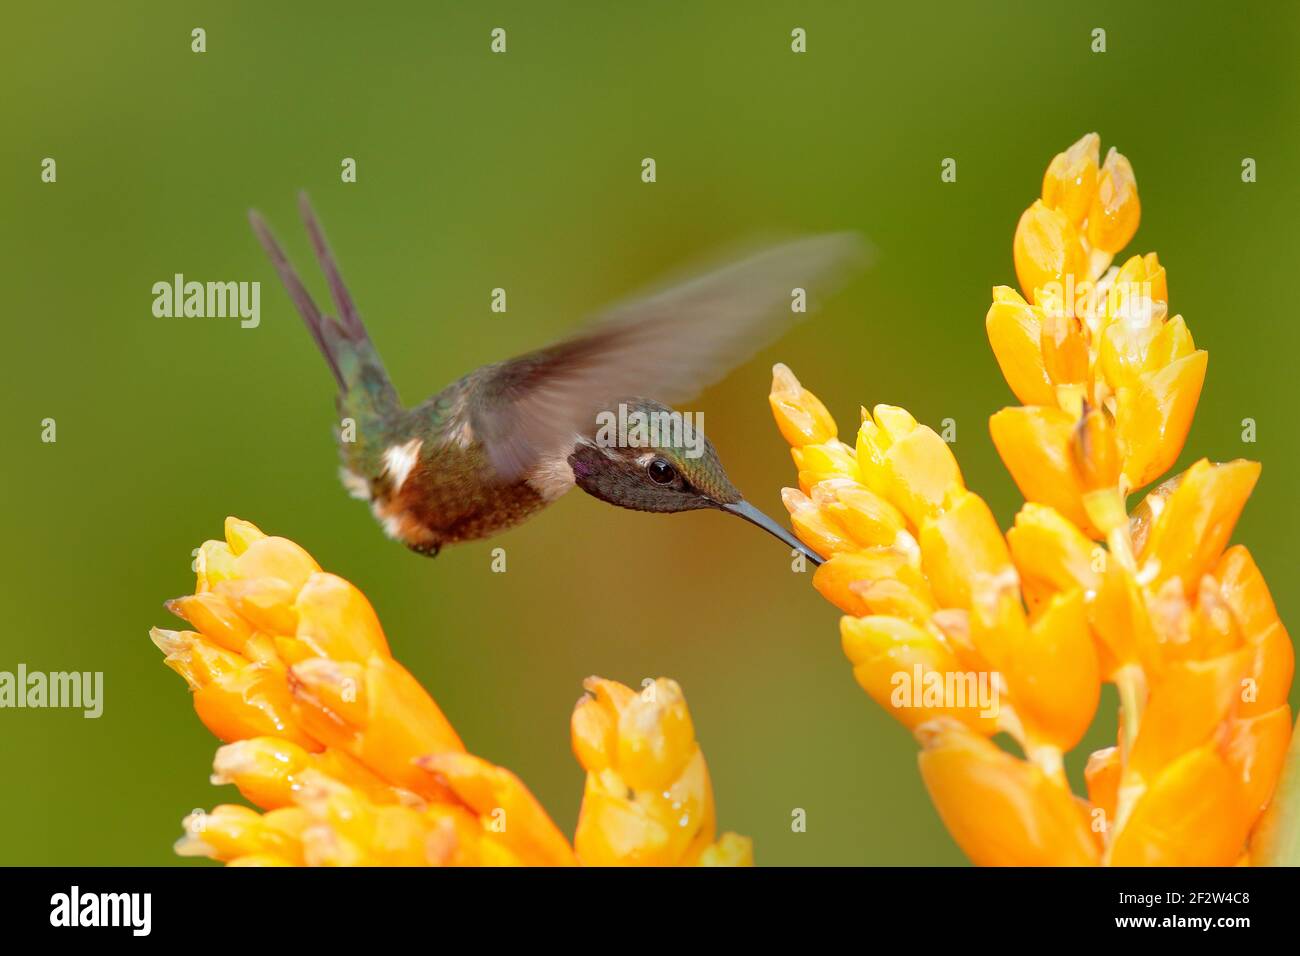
(754, 516)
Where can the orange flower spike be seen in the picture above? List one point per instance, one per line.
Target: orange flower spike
(1015, 331)
(1001, 811)
(907, 464)
(800, 415)
(1188, 536)
(1115, 210)
(648, 799)
(506, 809)
(376, 712)
(1046, 250)
(1194, 814)
(1070, 183)
(905, 668)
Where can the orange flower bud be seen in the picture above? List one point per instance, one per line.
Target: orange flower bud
(1115, 210)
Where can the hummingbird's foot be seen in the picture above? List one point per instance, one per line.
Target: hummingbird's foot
(428, 550)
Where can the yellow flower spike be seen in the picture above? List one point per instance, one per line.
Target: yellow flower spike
(907, 670)
(376, 712)
(335, 620)
(1255, 751)
(1193, 814)
(231, 832)
(1046, 250)
(240, 534)
(1244, 590)
(1070, 182)
(1001, 811)
(1190, 533)
(730, 850)
(507, 810)
(1115, 210)
(633, 813)
(1185, 629)
(1015, 331)
(215, 617)
(907, 464)
(800, 415)
(961, 549)
(356, 765)
(813, 527)
(1186, 708)
(1051, 554)
(868, 518)
(1036, 444)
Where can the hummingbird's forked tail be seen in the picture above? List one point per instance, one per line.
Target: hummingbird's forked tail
(365, 390)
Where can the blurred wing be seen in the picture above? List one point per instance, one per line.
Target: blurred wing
(665, 346)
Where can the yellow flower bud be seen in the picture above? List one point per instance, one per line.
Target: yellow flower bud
(1115, 210)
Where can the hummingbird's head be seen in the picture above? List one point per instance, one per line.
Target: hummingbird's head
(645, 456)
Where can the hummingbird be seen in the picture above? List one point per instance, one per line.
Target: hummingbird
(495, 447)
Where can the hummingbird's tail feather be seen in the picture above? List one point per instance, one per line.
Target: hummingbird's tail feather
(366, 396)
(311, 315)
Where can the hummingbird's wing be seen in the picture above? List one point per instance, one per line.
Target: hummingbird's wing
(667, 345)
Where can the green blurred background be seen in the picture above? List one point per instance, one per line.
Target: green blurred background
(522, 171)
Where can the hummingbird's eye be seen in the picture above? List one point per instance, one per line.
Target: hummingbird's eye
(660, 472)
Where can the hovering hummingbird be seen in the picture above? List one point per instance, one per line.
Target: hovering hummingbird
(493, 448)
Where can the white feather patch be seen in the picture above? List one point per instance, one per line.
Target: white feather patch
(399, 460)
(356, 486)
